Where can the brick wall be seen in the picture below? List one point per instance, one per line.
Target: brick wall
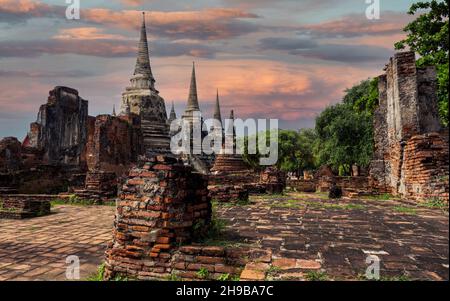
(24, 206)
(425, 167)
(114, 144)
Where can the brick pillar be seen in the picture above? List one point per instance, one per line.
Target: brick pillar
(160, 207)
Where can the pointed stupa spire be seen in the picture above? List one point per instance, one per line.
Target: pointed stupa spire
(143, 59)
(232, 115)
(172, 115)
(193, 98)
(231, 128)
(217, 114)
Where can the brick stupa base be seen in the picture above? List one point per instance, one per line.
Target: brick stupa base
(162, 205)
(229, 164)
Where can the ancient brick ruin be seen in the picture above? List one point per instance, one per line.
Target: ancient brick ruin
(61, 131)
(162, 204)
(411, 154)
(24, 206)
(411, 151)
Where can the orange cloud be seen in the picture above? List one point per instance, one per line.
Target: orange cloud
(16, 6)
(86, 33)
(256, 88)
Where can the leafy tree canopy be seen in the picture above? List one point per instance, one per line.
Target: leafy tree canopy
(363, 97)
(428, 37)
(295, 150)
(345, 137)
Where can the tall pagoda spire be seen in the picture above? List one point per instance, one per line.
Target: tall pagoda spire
(193, 98)
(143, 58)
(172, 115)
(217, 114)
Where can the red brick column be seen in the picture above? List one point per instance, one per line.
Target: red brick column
(160, 207)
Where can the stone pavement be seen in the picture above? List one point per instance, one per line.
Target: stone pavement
(36, 249)
(303, 229)
(304, 232)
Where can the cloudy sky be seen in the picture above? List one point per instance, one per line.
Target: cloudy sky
(285, 59)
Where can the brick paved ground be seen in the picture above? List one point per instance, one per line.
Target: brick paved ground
(305, 227)
(36, 249)
(341, 234)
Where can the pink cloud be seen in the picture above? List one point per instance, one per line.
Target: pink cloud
(217, 23)
(87, 33)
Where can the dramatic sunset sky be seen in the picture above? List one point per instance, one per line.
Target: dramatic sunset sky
(285, 59)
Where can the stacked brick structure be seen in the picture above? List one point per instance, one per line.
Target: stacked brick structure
(23, 206)
(162, 205)
(409, 142)
(228, 193)
(426, 162)
(274, 180)
(226, 163)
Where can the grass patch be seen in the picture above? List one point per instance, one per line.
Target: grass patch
(380, 197)
(173, 277)
(355, 207)
(435, 204)
(203, 273)
(270, 196)
(216, 204)
(228, 277)
(316, 276)
(290, 204)
(212, 234)
(99, 275)
(73, 200)
(406, 210)
(273, 271)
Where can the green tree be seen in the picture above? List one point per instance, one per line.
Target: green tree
(363, 97)
(428, 36)
(345, 137)
(295, 150)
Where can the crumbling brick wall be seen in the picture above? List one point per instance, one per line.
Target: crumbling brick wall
(61, 128)
(426, 173)
(114, 144)
(407, 108)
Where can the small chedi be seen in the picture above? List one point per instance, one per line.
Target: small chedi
(229, 168)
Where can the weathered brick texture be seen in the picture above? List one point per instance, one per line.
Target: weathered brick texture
(161, 205)
(409, 158)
